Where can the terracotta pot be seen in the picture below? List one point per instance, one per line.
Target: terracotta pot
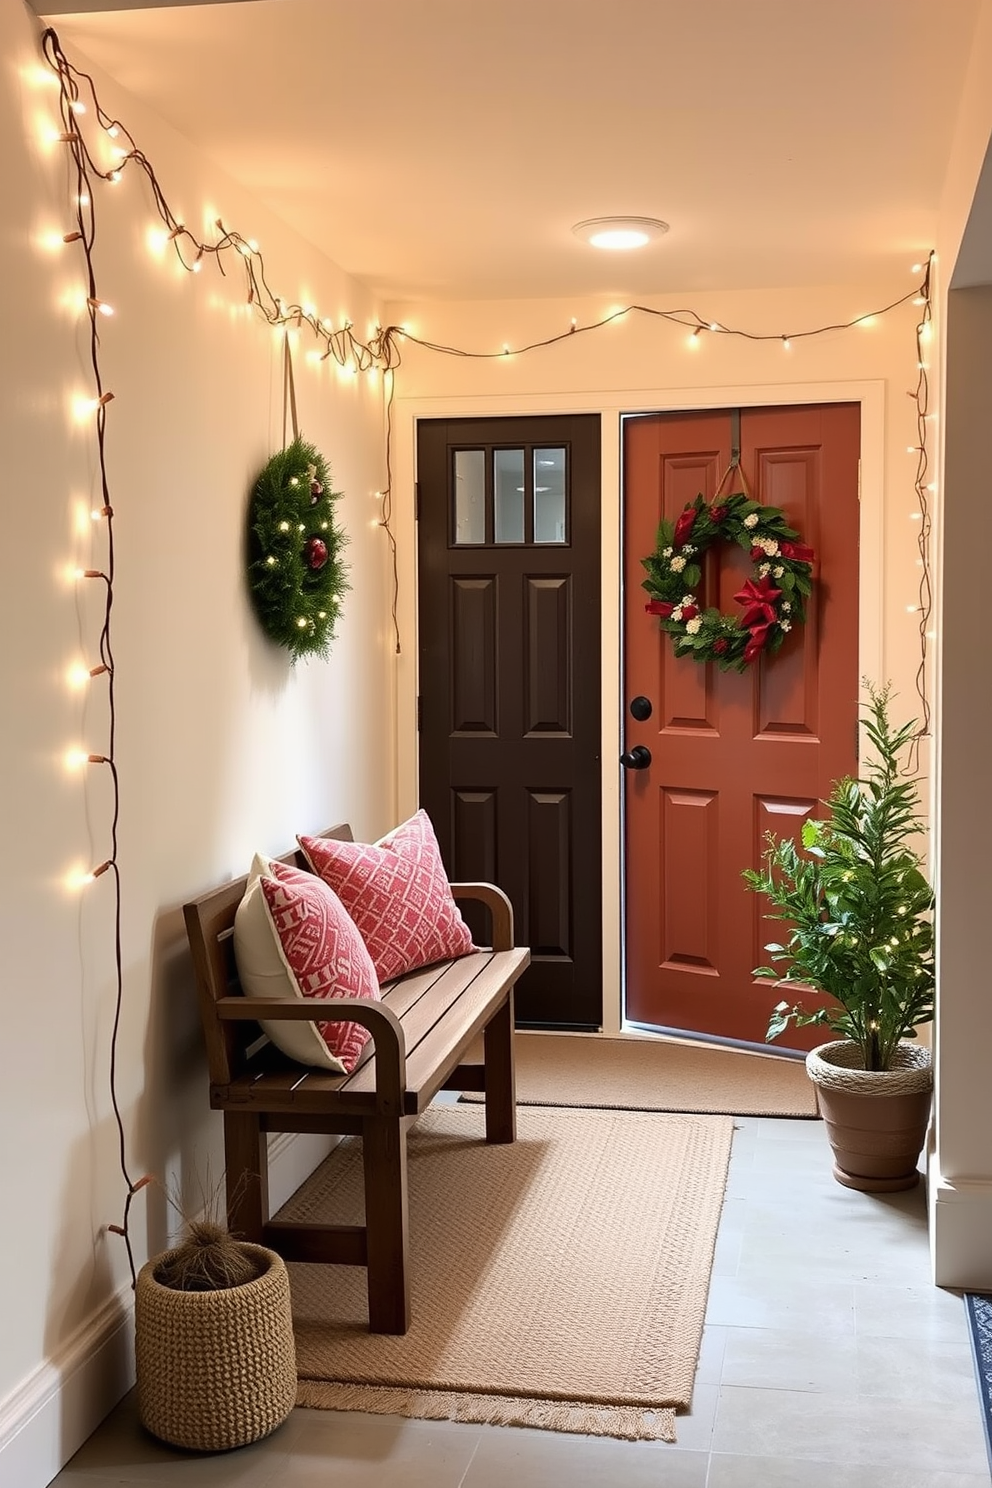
(876, 1119)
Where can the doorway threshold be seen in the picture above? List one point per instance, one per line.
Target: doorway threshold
(684, 1036)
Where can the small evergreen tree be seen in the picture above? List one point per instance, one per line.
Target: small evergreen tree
(859, 907)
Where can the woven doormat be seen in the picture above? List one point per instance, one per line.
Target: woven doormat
(653, 1075)
(559, 1281)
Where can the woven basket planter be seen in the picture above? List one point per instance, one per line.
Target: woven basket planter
(876, 1119)
(215, 1369)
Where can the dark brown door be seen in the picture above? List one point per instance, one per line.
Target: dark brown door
(733, 756)
(509, 585)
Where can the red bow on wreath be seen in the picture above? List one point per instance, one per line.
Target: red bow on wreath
(759, 635)
(799, 552)
(659, 607)
(759, 598)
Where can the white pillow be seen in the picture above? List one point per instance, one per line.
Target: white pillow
(263, 972)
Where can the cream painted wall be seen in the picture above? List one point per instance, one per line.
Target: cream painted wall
(960, 1176)
(643, 363)
(222, 746)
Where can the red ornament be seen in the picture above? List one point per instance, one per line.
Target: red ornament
(316, 491)
(315, 553)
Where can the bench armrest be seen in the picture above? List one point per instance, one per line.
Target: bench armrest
(381, 1022)
(499, 907)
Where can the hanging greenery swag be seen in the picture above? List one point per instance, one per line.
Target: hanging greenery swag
(774, 600)
(295, 575)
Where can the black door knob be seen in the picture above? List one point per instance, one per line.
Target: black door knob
(637, 758)
(640, 708)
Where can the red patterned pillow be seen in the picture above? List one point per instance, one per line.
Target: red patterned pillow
(323, 953)
(397, 893)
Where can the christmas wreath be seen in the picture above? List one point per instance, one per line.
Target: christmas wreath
(774, 600)
(295, 575)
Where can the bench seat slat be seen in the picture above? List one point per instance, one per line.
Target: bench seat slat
(434, 1056)
(419, 1017)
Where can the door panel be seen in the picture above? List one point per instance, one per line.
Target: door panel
(509, 529)
(733, 756)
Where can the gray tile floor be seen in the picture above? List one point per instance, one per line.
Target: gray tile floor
(828, 1361)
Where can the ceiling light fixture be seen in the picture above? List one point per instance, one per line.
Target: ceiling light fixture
(620, 234)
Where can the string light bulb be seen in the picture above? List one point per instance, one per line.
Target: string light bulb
(786, 344)
(100, 305)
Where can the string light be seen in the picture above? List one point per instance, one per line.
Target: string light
(84, 233)
(924, 489)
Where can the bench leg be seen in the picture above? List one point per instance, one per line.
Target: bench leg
(387, 1227)
(247, 1159)
(501, 1102)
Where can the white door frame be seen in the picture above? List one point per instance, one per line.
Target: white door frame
(611, 406)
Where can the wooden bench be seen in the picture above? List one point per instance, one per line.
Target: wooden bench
(419, 1033)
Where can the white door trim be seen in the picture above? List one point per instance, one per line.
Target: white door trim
(611, 406)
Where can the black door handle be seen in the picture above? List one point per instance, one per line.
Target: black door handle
(637, 758)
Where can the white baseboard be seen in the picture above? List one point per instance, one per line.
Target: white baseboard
(62, 1402)
(293, 1157)
(960, 1226)
(49, 1416)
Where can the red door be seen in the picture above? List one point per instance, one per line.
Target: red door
(733, 756)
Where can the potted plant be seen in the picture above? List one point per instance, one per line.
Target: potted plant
(860, 915)
(214, 1350)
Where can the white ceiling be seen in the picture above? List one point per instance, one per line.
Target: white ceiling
(444, 148)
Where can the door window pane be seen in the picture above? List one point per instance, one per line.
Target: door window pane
(508, 495)
(470, 496)
(549, 496)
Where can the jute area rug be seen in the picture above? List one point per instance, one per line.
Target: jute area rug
(557, 1282)
(651, 1075)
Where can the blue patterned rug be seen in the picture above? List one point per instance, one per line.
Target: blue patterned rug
(978, 1308)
